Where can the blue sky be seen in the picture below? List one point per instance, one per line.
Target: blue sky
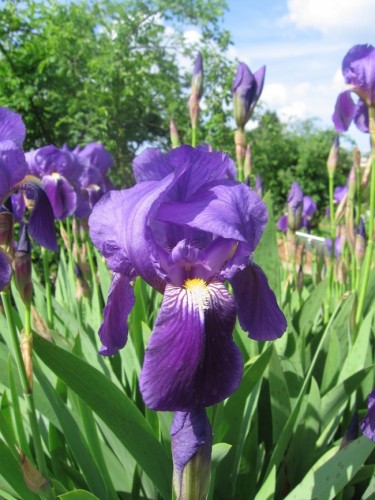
(302, 43)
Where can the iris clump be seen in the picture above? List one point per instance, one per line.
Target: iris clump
(186, 228)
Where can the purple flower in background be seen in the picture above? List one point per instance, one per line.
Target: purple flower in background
(338, 245)
(57, 168)
(13, 176)
(246, 90)
(368, 423)
(358, 69)
(191, 437)
(300, 210)
(186, 228)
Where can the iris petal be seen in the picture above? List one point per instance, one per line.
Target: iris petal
(61, 195)
(113, 331)
(228, 209)
(5, 270)
(368, 423)
(258, 311)
(191, 360)
(344, 111)
(41, 222)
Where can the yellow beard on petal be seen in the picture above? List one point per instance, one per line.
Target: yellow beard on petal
(199, 292)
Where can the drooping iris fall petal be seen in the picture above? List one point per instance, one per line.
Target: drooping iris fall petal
(191, 360)
(258, 312)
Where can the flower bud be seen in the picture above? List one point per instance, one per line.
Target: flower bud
(191, 449)
(82, 288)
(259, 186)
(6, 229)
(197, 78)
(246, 90)
(352, 431)
(333, 156)
(173, 132)
(295, 206)
(352, 183)
(27, 356)
(22, 267)
(360, 242)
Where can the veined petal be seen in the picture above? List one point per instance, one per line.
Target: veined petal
(61, 195)
(5, 270)
(191, 360)
(12, 127)
(41, 222)
(258, 311)
(113, 331)
(229, 209)
(13, 168)
(119, 229)
(344, 111)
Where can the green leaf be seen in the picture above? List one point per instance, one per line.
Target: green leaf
(78, 495)
(280, 405)
(266, 254)
(327, 478)
(267, 491)
(312, 306)
(114, 408)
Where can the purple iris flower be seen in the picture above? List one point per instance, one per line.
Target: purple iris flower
(368, 423)
(13, 176)
(58, 170)
(296, 202)
(246, 90)
(186, 228)
(358, 69)
(338, 245)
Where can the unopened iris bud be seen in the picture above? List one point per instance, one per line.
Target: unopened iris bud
(295, 206)
(259, 186)
(196, 90)
(360, 242)
(173, 132)
(246, 90)
(191, 449)
(22, 267)
(6, 229)
(27, 356)
(333, 156)
(197, 78)
(351, 184)
(82, 288)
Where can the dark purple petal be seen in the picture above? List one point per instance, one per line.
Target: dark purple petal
(258, 311)
(229, 209)
(368, 423)
(309, 206)
(61, 195)
(5, 270)
(41, 222)
(361, 118)
(12, 127)
(282, 223)
(191, 360)
(191, 436)
(113, 331)
(340, 193)
(344, 111)
(18, 206)
(259, 76)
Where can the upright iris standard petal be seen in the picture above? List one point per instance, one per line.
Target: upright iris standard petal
(191, 360)
(227, 209)
(258, 312)
(12, 127)
(358, 69)
(5, 270)
(191, 437)
(368, 423)
(113, 331)
(246, 90)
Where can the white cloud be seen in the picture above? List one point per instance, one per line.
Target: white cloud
(275, 95)
(332, 16)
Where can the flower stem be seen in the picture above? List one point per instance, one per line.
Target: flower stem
(194, 136)
(48, 287)
(27, 390)
(370, 241)
(332, 256)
